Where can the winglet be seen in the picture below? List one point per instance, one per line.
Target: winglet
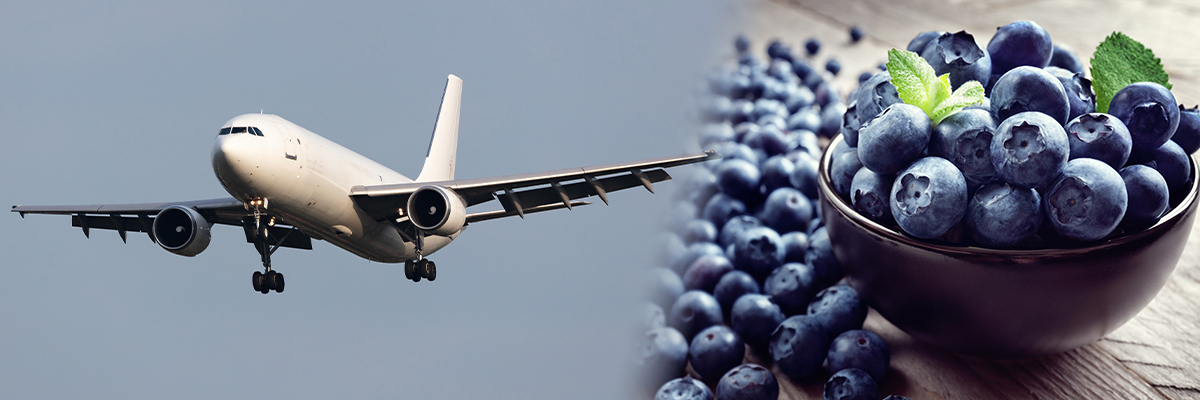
(439, 159)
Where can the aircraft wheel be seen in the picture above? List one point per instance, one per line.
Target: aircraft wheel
(268, 282)
(278, 282)
(418, 268)
(409, 269)
(257, 280)
(430, 271)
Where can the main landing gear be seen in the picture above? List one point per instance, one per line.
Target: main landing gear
(421, 267)
(268, 280)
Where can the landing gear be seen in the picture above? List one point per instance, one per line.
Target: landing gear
(268, 280)
(423, 268)
(265, 283)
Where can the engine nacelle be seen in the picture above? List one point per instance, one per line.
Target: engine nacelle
(437, 210)
(182, 230)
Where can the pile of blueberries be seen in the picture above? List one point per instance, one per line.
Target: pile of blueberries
(749, 261)
(1033, 166)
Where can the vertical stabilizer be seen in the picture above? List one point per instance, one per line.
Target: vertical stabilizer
(439, 159)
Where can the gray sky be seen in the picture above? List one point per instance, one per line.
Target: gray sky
(120, 103)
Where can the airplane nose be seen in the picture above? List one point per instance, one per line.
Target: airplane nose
(231, 159)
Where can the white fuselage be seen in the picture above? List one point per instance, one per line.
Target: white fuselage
(306, 180)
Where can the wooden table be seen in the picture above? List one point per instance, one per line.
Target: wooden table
(1155, 355)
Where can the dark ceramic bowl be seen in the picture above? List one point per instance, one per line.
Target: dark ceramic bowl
(1004, 303)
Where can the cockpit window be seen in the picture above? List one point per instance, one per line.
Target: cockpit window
(241, 129)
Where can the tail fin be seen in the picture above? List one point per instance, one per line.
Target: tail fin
(439, 159)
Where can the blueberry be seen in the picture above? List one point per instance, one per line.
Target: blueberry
(734, 228)
(786, 210)
(1029, 149)
(862, 78)
(650, 316)
(918, 43)
(798, 346)
(1030, 89)
(833, 66)
(1064, 58)
(875, 95)
(860, 349)
(717, 112)
(684, 388)
(791, 286)
(846, 163)
(748, 382)
(929, 197)
(795, 246)
(1001, 215)
(704, 273)
(671, 249)
(957, 54)
(699, 230)
(869, 195)
(850, 384)
(894, 139)
(777, 172)
(850, 123)
(838, 309)
(1100, 136)
(804, 177)
(769, 138)
(738, 151)
(895, 397)
(757, 251)
(681, 214)
(820, 257)
(661, 354)
(805, 119)
(664, 286)
(1020, 43)
(731, 287)
(812, 46)
(856, 33)
(741, 43)
(1187, 135)
(694, 251)
(720, 208)
(754, 317)
(965, 138)
(1148, 196)
(1149, 111)
(778, 50)
(781, 69)
(831, 119)
(1170, 161)
(802, 69)
(1087, 201)
(714, 351)
(717, 132)
(799, 97)
(1078, 89)
(693, 311)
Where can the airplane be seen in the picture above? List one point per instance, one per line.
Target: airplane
(290, 185)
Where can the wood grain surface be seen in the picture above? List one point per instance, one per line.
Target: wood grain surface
(1155, 355)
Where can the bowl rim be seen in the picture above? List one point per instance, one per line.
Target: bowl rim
(825, 185)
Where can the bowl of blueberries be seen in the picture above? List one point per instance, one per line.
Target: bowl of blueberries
(1027, 223)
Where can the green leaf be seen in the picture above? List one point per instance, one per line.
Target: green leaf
(1119, 61)
(917, 84)
(969, 94)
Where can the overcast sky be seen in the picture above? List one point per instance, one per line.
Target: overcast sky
(120, 103)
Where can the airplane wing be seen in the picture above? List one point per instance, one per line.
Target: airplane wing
(525, 193)
(140, 217)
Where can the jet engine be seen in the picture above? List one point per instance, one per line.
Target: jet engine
(182, 230)
(437, 210)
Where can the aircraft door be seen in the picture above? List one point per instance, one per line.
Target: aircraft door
(289, 141)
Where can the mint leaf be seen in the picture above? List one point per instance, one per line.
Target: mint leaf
(918, 84)
(969, 94)
(1119, 61)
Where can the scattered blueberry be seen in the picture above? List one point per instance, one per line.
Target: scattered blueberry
(714, 351)
(856, 33)
(720, 208)
(786, 210)
(791, 286)
(734, 228)
(694, 311)
(798, 346)
(731, 287)
(705, 272)
(820, 257)
(664, 287)
(699, 230)
(661, 355)
(838, 309)
(748, 382)
(860, 349)
(754, 317)
(850, 384)
(757, 251)
(684, 388)
(833, 66)
(812, 46)
(795, 246)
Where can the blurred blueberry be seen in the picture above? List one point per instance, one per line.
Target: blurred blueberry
(778, 50)
(748, 382)
(802, 69)
(850, 384)
(699, 186)
(838, 309)
(681, 214)
(806, 119)
(716, 132)
(1078, 89)
(714, 351)
(754, 317)
(795, 246)
(1187, 135)
(721, 208)
(773, 120)
(1100, 136)
(833, 66)
(718, 109)
(671, 248)
(693, 311)
(699, 230)
(869, 194)
(1148, 196)
(798, 346)
(799, 97)
(732, 286)
(650, 316)
(740, 132)
(757, 251)
(1149, 111)
(684, 388)
(1062, 57)
(1001, 215)
(929, 197)
(863, 77)
(704, 273)
(1087, 201)
(804, 177)
(664, 286)
(777, 172)
(694, 251)
(825, 94)
(786, 210)
(770, 139)
(742, 110)
(738, 178)
(782, 70)
(820, 257)
(812, 46)
(791, 286)
(845, 164)
(661, 354)
(860, 349)
(741, 43)
(1029, 149)
(918, 43)
(856, 33)
(734, 228)
(1030, 89)
(831, 119)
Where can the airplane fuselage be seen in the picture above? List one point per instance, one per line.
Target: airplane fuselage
(306, 180)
